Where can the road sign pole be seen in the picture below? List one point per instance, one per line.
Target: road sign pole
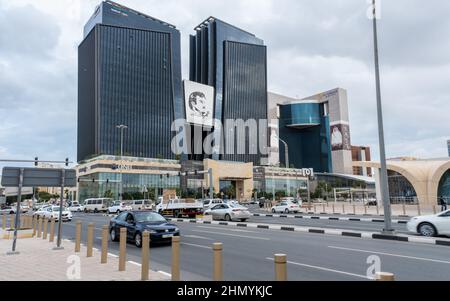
(211, 187)
(17, 222)
(63, 176)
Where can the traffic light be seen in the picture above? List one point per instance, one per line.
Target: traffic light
(67, 162)
(107, 181)
(93, 180)
(168, 175)
(161, 177)
(36, 161)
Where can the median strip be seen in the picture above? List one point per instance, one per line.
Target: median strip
(335, 232)
(330, 218)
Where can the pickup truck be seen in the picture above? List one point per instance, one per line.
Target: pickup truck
(179, 208)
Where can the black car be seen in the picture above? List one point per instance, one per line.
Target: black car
(137, 222)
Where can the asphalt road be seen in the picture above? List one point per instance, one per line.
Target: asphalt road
(248, 254)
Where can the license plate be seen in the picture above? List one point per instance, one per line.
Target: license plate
(167, 236)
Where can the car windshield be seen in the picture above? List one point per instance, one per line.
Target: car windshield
(148, 217)
(116, 203)
(56, 209)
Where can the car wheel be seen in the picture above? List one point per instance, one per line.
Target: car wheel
(85, 211)
(95, 210)
(273, 211)
(427, 229)
(138, 240)
(286, 211)
(228, 218)
(11, 212)
(113, 235)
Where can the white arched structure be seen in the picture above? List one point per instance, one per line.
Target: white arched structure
(424, 175)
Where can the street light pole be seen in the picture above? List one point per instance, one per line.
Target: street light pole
(286, 154)
(383, 171)
(121, 128)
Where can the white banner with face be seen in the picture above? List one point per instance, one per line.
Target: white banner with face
(199, 102)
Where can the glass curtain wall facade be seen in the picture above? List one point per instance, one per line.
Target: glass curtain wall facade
(444, 187)
(130, 74)
(234, 62)
(306, 129)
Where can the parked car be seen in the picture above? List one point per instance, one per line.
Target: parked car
(136, 222)
(97, 205)
(286, 207)
(431, 225)
(138, 205)
(53, 212)
(229, 212)
(76, 208)
(118, 207)
(209, 203)
(8, 210)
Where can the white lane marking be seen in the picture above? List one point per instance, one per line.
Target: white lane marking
(134, 263)
(196, 246)
(113, 255)
(198, 237)
(390, 254)
(165, 274)
(233, 230)
(234, 235)
(325, 269)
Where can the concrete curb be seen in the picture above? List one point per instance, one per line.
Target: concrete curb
(351, 219)
(337, 232)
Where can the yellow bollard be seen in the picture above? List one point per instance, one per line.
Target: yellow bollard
(334, 211)
(404, 209)
(4, 222)
(90, 240)
(280, 267)
(122, 249)
(35, 225)
(381, 276)
(324, 210)
(419, 213)
(104, 257)
(176, 258)
(44, 234)
(12, 221)
(52, 230)
(145, 256)
(378, 210)
(78, 237)
(434, 209)
(39, 232)
(365, 210)
(217, 263)
(354, 209)
(314, 208)
(343, 208)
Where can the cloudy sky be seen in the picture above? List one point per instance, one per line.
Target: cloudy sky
(313, 46)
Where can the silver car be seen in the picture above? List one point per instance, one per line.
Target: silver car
(229, 212)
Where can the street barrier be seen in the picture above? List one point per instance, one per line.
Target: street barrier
(176, 258)
(381, 276)
(44, 234)
(280, 267)
(104, 257)
(39, 232)
(122, 249)
(78, 237)
(217, 262)
(90, 240)
(145, 256)
(52, 230)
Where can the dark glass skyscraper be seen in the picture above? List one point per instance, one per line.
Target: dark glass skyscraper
(129, 73)
(234, 62)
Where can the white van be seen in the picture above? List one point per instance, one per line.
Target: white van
(139, 205)
(97, 205)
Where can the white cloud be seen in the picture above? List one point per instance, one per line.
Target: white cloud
(312, 46)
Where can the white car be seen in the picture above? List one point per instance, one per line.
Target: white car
(8, 210)
(431, 225)
(286, 207)
(53, 212)
(76, 208)
(118, 207)
(208, 203)
(229, 212)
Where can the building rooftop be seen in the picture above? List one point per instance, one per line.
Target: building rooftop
(138, 13)
(212, 19)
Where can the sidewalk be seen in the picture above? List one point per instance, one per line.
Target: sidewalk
(38, 262)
